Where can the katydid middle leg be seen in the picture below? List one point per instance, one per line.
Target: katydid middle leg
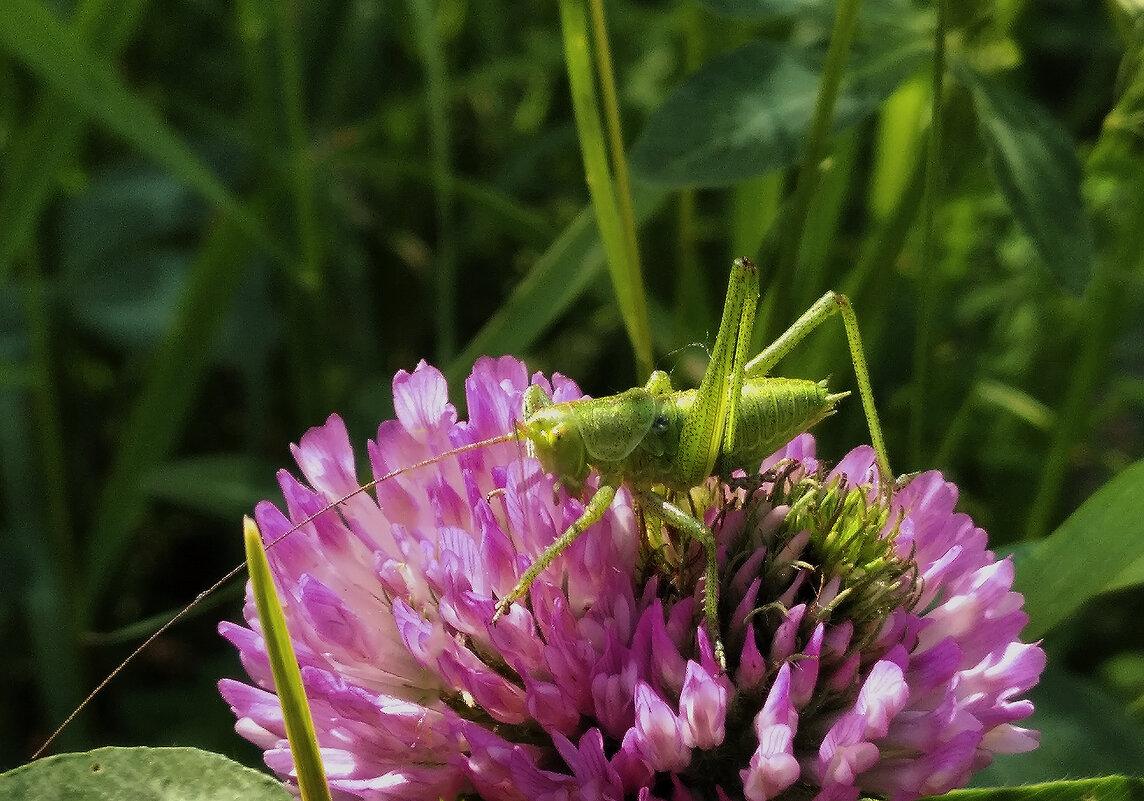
(660, 507)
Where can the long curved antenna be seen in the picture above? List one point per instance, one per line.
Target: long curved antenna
(242, 566)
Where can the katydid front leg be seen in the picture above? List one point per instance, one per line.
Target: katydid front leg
(566, 456)
(595, 509)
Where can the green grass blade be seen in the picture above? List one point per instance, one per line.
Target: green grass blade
(898, 144)
(523, 222)
(55, 54)
(47, 144)
(297, 140)
(781, 292)
(33, 579)
(929, 278)
(622, 262)
(287, 675)
(160, 408)
(754, 207)
(430, 49)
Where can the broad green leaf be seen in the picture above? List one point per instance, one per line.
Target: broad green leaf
(1084, 556)
(140, 774)
(1108, 788)
(1084, 732)
(748, 112)
(1131, 576)
(1038, 172)
(308, 766)
(54, 53)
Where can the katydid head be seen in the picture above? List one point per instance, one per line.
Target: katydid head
(570, 438)
(558, 444)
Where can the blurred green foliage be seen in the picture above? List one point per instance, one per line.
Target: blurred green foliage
(219, 223)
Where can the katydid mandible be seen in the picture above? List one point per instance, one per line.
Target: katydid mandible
(653, 436)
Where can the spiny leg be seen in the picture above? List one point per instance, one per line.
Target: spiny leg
(677, 518)
(709, 429)
(595, 509)
(828, 305)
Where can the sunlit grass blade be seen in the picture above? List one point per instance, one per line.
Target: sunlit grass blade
(622, 257)
(898, 144)
(287, 675)
(755, 205)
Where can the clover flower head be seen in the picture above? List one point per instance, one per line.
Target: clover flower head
(872, 639)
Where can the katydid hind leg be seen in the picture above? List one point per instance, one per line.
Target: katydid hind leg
(710, 426)
(824, 308)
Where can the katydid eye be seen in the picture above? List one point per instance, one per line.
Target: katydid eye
(659, 424)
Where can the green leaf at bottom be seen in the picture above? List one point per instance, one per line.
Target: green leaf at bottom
(140, 774)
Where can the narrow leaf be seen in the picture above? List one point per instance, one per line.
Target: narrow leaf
(557, 278)
(1083, 557)
(162, 405)
(1108, 788)
(802, 10)
(287, 675)
(1038, 172)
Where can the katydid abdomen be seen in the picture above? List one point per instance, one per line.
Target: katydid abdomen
(771, 413)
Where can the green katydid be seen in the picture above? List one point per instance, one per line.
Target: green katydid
(654, 436)
(658, 441)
